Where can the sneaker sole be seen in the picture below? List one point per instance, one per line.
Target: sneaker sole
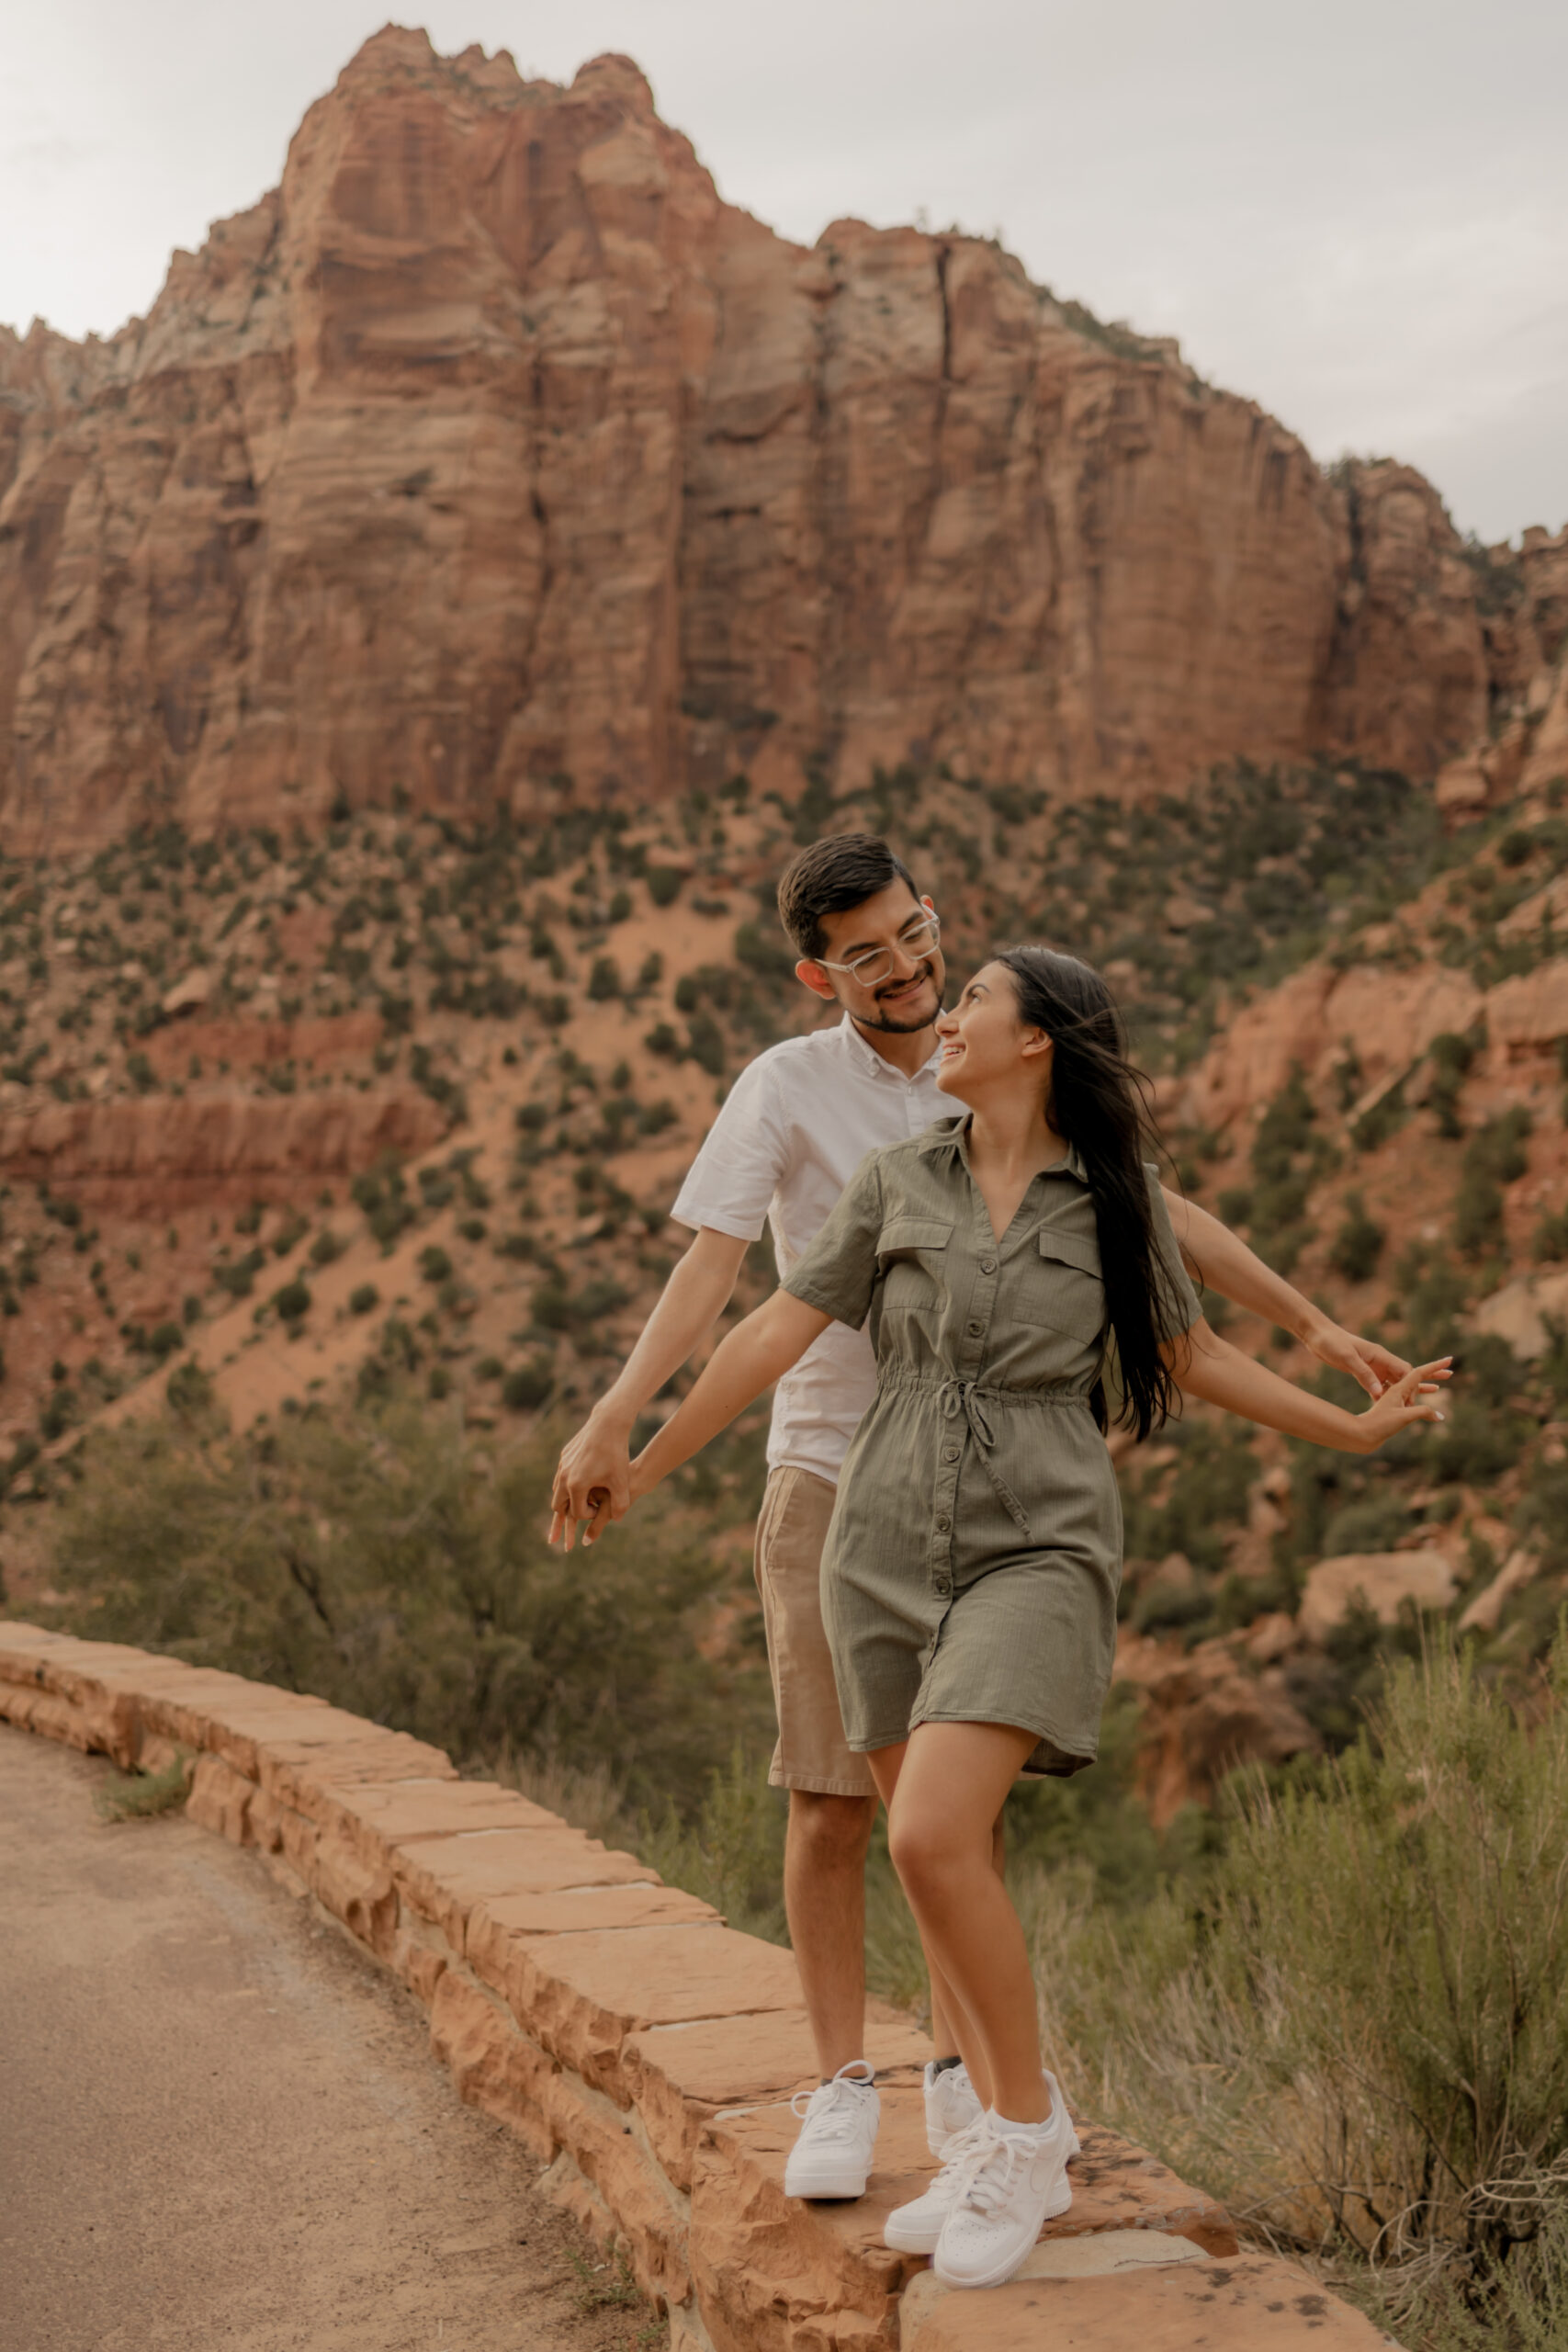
(910, 2240)
(999, 2275)
(822, 2181)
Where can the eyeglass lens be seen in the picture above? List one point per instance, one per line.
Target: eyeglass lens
(919, 940)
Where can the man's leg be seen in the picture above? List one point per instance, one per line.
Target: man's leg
(825, 1901)
(832, 1797)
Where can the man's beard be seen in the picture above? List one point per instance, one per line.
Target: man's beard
(891, 1026)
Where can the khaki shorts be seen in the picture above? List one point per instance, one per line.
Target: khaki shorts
(811, 1751)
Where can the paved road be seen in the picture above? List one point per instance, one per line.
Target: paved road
(220, 2127)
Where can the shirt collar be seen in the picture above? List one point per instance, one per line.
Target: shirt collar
(877, 1064)
(952, 1136)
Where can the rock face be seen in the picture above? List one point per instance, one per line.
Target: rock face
(493, 449)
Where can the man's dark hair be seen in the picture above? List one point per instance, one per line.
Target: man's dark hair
(831, 877)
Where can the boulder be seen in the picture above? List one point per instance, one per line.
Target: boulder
(1382, 1579)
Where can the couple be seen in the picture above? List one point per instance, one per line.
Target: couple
(939, 1548)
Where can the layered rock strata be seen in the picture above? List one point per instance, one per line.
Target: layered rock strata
(642, 2048)
(493, 450)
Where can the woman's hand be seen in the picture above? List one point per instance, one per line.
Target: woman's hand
(747, 1361)
(1205, 1365)
(1410, 1400)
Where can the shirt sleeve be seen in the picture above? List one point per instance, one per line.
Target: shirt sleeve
(731, 1182)
(837, 1272)
(1175, 1306)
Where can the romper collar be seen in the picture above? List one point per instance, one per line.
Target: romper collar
(949, 1137)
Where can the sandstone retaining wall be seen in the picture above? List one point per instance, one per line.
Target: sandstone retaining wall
(644, 2051)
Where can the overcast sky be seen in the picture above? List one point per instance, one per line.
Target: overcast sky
(1356, 213)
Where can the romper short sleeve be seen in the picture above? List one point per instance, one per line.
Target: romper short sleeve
(1176, 1308)
(837, 1273)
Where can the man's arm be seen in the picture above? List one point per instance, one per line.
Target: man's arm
(689, 1305)
(1218, 1260)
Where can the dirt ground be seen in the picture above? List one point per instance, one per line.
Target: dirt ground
(220, 2127)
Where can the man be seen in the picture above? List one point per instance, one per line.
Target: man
(795, 1126)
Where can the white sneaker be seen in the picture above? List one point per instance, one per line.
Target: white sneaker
(1058, 2104)
(1011, 2183)
(951, 2105)
(916, 2227)
(832, 2155)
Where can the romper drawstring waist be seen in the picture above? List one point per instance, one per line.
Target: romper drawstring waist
(964, 1398)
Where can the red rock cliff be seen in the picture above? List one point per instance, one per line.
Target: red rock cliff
(493, 447)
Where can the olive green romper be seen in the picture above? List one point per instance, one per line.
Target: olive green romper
(972, 1564)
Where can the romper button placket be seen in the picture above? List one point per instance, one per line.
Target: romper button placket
(976, 1330)
(988, 1265)
(943, 1524)
(950, 1453)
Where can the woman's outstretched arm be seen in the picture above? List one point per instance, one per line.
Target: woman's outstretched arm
(746, 1362)
(1205, 1365)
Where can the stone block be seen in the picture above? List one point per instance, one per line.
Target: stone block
(584, 1993)
(445, 1877)
(220, 1799)
(609, 2151)
(678, 2076)
(1108, 2253)
(379, 1814)
(1249, 2303)
(357, 1892)
(298, 1760)
(775, 2275)
(498, 1927)
(494, 2066)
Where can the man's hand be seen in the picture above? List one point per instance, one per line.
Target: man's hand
(1370, 1364)
(593, 1479)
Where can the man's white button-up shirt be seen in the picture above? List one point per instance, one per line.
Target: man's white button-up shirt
(793, 1128)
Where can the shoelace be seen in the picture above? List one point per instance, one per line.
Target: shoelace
(960, 2153)
(831, 2108)
(990, 2167)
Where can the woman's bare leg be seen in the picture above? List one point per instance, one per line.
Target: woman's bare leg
(953, 2032)
(943, 1789)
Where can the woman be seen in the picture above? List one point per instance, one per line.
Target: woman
(971, 1571)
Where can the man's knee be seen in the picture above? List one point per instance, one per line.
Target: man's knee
(830, 1830)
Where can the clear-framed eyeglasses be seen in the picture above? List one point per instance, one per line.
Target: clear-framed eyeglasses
(916, 941)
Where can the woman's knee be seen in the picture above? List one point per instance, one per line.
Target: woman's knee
(925, 1851)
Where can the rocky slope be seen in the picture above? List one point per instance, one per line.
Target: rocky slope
(404, 1104)
(493, 451)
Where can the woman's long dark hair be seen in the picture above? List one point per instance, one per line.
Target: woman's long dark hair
(1098, 1102)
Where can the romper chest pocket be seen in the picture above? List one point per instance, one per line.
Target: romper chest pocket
(911, 1262)
(1060, 1286)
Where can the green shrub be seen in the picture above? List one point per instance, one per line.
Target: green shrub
(165, 1339)
(434, 1265)
(326, 1247)
(603, 980)
(141, 1797)
(1551, 1243)
(1359, 2025)
(387, 1563)
(293, 1301)
(663, 884)
(1450, 1056)
(527, 1386)
(363, 1299)
(1359, 1243)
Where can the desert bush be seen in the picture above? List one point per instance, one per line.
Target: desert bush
(385, 1563)
(1358, 1245)
(1360, 2031)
